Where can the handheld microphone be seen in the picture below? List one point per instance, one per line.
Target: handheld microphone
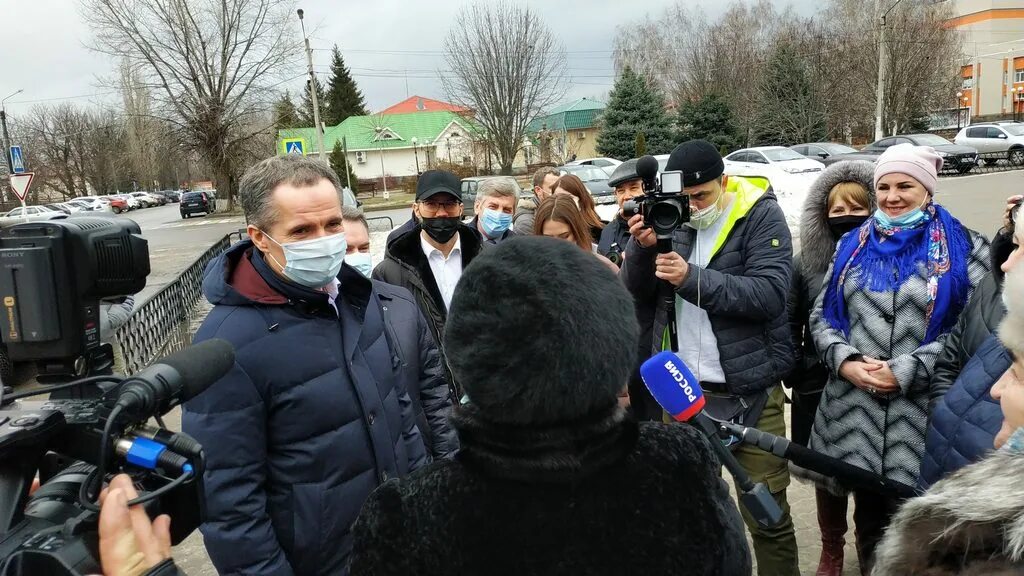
(175, 379)
(677, 391)
(847, 474)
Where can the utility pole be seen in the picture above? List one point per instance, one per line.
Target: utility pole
(312, 90)
(348, 169)
(7, 136)
(883, 65)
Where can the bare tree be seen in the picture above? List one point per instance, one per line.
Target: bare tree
(508, 67)
(58, 140)
(142, 127)
(210, 64)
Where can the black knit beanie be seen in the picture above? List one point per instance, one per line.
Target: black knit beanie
(540, 332)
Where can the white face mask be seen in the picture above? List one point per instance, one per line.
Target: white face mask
(706, 217)
(360, 261)
(313, 263)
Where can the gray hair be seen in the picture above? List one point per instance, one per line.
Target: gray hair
(498, 188)
(259, 182)
(353, 214)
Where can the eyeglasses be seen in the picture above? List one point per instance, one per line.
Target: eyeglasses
(432, 206)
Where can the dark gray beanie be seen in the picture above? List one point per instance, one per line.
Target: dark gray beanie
(540, 332)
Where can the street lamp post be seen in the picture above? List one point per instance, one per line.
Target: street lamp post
(449, 148)
(416, 154)
(7, 137)
(312, 90)
(383, 177)
(958, 96)
(967, 118)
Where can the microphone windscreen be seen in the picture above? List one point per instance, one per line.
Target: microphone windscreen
(647, 167)
(201, 365)
(673, 385)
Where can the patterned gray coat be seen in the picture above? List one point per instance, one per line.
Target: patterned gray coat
(882, 433)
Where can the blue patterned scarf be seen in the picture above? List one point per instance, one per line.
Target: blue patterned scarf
(884, 257)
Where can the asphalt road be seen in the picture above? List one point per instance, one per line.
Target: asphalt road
(977, 200)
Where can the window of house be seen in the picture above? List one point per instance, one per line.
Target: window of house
(968, 83)
(1018, 76)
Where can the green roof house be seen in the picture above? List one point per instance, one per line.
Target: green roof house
(408, 143)
(569, 131)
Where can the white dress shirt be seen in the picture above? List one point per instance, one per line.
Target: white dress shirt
(447, 271)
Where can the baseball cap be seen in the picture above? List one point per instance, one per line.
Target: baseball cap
(434, 182)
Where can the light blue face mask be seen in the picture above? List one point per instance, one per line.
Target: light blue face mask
(495, 223)
(313, 263)
(360, 261)
(908, 219)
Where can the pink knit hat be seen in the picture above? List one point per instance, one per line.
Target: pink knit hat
(919, 162)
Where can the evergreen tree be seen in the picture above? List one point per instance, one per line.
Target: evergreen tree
(711, 119)
(343, 98)
(306, 110)
(635, 107)
(641, 144)
(342, 167)
(285, 114)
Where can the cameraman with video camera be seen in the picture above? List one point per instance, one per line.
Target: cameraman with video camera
(728, 270)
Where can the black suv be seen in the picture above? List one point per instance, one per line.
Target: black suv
(196, 202)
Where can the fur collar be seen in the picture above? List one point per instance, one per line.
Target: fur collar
(973, 518)
(816, 242)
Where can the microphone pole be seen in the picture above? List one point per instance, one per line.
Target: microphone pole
(847, 474)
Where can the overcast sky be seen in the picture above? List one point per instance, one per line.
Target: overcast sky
(45, 53)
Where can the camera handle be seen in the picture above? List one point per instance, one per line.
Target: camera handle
(664, 247)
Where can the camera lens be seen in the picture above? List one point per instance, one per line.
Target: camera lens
(629, 209)
(664, 217)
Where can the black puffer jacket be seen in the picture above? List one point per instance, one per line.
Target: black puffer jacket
(604, 498)
(405, 265)
(817, 246)
(743, 289)
(977, 322)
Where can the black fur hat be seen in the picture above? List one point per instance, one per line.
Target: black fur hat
(540, 332)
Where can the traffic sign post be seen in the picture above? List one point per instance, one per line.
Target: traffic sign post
(17, 160)
(20, 183)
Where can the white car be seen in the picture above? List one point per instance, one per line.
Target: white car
(30, 214)
(606, 164)
(996, 141)
(90, 205)
(133, 202)
(145, 199)
(790, 174)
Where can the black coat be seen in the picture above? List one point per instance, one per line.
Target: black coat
(405, 265)
(978, 321)
(411, 224)
(743, 289)
(311, 418)
(633, 501)
(616, 232)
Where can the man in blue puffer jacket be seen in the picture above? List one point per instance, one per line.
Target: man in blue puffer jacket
(315, 413)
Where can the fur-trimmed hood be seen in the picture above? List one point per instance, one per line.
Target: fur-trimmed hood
(816, 242)
(972, 522)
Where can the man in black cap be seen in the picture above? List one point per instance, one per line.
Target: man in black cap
(728, 272)
(428, 260)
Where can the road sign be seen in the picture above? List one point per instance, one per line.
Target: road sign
(20, 184)
(17, 160)
(294, 146)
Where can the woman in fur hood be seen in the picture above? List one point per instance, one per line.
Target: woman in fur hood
(839, 201)
(972, 522)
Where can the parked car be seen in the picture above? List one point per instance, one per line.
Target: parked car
(145, 199)
(822, 150)
(606, 164)
(595, 179)
(196, 202)
(662, 161)
(65, 208)
(90, 205)
(31, 214)
(118, 205)
(171, 195)
(790, 174)
(995, 140)
(132, 202)
(962, 159)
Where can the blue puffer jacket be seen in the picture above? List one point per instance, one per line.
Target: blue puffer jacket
(310, 420)
(965, 421)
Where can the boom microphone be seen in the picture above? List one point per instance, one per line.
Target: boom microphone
(677, 391)
(848, 475)
(175, 379)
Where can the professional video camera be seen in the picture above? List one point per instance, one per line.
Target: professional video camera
(72, 444)
(663, 205)
(53, 275)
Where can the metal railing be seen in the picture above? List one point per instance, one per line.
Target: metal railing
(161, 325)
(379, 223)
(987, 163)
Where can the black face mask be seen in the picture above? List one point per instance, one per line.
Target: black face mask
(441, 229)
(840, 225)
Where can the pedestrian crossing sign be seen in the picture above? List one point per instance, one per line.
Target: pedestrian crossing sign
(293, 146)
